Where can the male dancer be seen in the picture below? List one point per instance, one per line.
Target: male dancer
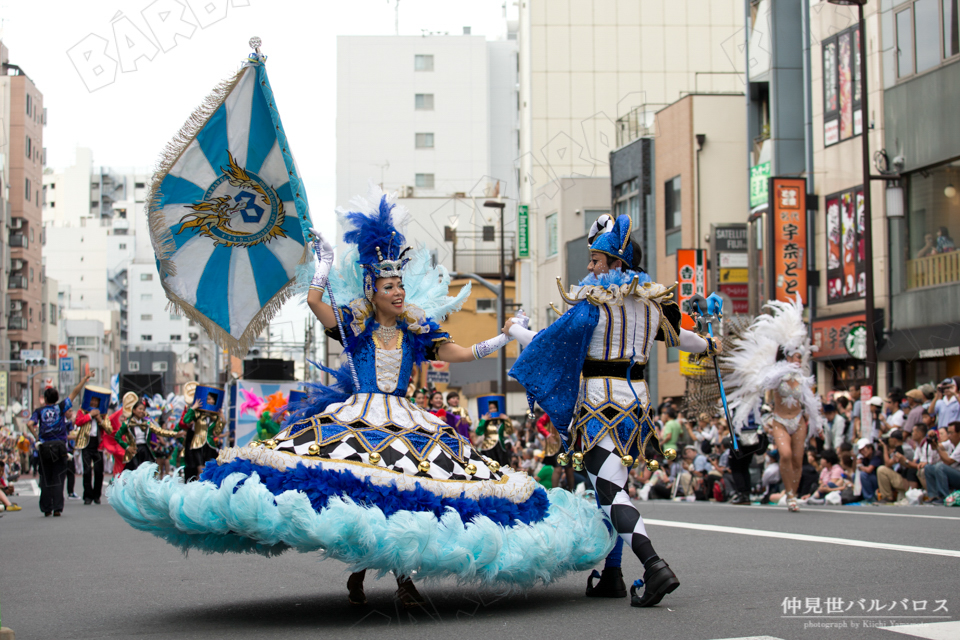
(587, 371)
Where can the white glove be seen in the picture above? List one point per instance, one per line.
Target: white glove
(324, 259)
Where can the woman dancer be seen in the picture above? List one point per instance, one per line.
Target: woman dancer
(360, 473)
(773, 355)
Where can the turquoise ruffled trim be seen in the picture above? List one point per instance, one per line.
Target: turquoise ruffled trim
(243, 516)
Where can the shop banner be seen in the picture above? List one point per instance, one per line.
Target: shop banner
(788, 239)
(247, 422)
(691, 279)
(831, 335)
(523, 231)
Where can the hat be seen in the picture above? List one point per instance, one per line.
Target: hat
(876, 401)
(864, 442)
(947, 382)
(915, 395)
(829, 407)
(690, 446)
(616, 242)
(727, 442)
(927, 390)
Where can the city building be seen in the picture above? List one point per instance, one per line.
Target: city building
(22, 117)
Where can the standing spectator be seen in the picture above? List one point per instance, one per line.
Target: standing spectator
(926, 451)
(944, 241)
(914, 399)
(875, 406)
(869, 463)
(944, 476)
(834, 428)
(48, 425)
(895, 416)
(671, 429)
(854, 393)
(945, 405)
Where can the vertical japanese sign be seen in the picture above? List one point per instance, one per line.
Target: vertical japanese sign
(691, 278)
(523, 231)
(4, 400)
(759, 185)
(788, 239)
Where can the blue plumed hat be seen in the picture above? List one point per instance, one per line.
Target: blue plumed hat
(375, 225)
(616, 242)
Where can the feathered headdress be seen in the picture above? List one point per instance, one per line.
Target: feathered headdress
(754, 369)
(376, 227)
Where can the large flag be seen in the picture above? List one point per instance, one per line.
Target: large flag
(228, 214)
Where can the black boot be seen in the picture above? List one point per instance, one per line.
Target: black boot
(355, 594)
(610, 586)
(407, 593)
(658, 580)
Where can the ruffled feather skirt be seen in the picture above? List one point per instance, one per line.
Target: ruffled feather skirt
(379, 484)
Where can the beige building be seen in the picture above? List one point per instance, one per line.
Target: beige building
(698, 154)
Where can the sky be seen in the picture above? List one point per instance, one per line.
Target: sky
(126, 115)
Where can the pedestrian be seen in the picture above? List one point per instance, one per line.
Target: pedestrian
(49, 426)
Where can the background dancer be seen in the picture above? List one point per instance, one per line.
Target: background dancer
(597, 352)
(773, 355)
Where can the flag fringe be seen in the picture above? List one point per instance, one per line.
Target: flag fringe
(160, 235)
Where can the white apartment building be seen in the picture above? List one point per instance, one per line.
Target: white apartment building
(588, 67)
(434, 118)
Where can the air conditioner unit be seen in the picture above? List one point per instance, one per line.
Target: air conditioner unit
(194, 337)
(16, 264)
(16, 306)
(406, 192)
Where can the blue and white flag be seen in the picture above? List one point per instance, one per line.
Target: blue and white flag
(228, 214)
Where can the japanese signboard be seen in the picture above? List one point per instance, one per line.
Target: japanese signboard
(788, 241)
(759, 184)
(523, 231)
(846, 273)
(4, 400)
(830, 335)
(691, 278)
(438, 373)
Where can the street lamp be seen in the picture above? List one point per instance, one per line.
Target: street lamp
(871, 356)
(502, 302)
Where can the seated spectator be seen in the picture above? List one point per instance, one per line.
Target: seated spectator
(929, 247)
(944, 241)
(6, 490)
(895, 476)
(694, 468)
(831, 476)
(925, 453)
(914, 399)
(770, 481)
(895, 415)
(867, 468)
(661, 482)
(944, 476)
(835, 428)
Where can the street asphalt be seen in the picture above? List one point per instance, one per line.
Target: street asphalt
(89, 575)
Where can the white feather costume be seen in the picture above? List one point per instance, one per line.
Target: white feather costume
(754, 368)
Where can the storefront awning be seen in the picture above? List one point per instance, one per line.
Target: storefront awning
(922, 342)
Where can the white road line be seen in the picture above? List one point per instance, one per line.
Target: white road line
(865, 512)
(761, 533)
(930, 631)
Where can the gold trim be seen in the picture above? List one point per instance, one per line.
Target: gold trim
(570, 301)
(555, 310)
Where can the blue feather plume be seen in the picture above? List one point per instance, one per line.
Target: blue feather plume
(372, 231)
(321, 396)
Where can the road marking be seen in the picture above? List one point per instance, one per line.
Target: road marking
(752, 638)
(761, 533)
(930, 631)
(858, 513)
(26, 487)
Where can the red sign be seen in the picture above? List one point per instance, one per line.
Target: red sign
(789, 239)
(62, 351)
(691, 279)
(830, 334)
(738, 290)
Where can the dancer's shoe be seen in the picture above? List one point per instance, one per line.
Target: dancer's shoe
(658, 581)
(610, 586)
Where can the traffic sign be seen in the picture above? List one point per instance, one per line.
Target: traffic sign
(31, 354)
(66, 364)
(62, 351)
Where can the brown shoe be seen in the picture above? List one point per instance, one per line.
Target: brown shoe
(355, 594)
(407, 593)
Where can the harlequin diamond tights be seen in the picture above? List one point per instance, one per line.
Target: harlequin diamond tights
(610, 477)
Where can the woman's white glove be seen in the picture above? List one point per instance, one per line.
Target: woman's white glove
(324, 256)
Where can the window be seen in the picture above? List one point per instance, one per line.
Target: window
(842, 116)
(29, 104)
(175, 337)
(933, 217)
(846, 278)
(146, 296)
(29, 147)
(146, 276)
(139, 185)
(82, 342)
(122, 246)
(53, 314)
(423, 102)
(31, 274)
(424, 141)
(673, 215)
(552, 240)
(133, 366)
(424, 180)
(158, 367)
(146, 317)
(146, 338)
(486, 305)
(927, 33)
(423, 63)
(26, 192)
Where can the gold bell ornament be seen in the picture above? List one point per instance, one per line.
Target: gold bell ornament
(271, 444)
(578, 461)
(494, 466)
(375, 458)
(626, 461)
(471, 469)
(563, 459)
(314, 449)
(424, 466)
(653, 465)
(670, 454)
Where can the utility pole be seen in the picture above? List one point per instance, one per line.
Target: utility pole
(502, 300)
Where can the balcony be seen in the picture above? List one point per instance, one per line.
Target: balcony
(474, 253)
(931, 271)
(17, 282)
(16, 323)
(18, 240)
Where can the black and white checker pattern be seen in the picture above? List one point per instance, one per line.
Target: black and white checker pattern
(397, 456)
(609, 477)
